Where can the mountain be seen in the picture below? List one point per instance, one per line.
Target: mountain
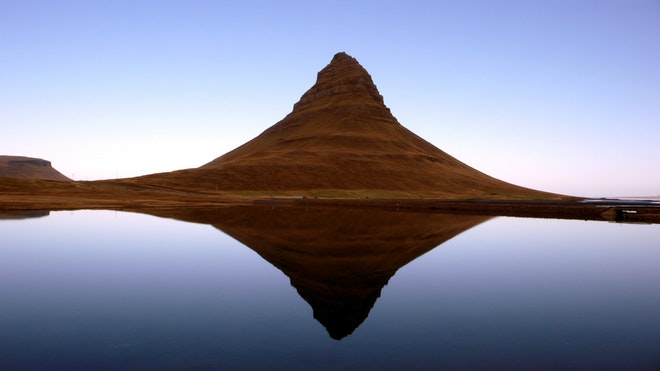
(28, 168)
(341, 136)
(337, 259)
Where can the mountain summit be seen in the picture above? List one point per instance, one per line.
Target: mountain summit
(341, 136)
(343, 82)
(341, 114)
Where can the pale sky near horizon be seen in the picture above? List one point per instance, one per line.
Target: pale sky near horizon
(557, 95)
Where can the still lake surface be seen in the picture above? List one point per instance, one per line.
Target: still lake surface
(326, 289)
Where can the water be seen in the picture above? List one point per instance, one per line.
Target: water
(112, 290)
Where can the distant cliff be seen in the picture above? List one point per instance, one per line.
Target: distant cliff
(28, 168)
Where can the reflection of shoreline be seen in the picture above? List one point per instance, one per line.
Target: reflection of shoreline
(597, 210)
(338, 259)
(8, 215)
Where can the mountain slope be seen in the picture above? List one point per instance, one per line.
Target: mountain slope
(341, 136)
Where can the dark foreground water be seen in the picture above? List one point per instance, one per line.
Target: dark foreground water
(326, 289)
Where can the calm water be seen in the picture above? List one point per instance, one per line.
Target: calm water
(326, 289)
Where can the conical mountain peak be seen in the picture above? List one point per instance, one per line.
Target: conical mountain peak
(343, 81)
(341, 136)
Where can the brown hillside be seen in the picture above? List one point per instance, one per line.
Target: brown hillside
(28, 168)
(341, 136)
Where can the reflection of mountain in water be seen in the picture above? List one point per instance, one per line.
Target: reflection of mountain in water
(338, 259)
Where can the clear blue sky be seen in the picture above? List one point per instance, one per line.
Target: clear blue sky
(558, 95)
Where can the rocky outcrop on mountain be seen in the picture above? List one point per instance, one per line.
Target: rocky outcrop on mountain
(344, 79)
(28, 168)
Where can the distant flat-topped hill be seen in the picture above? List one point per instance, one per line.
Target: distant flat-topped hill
(28, 168)
(340, 136)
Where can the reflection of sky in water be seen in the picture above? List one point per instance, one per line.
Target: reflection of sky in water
(122, 290)
(133, 288)
(528, 291)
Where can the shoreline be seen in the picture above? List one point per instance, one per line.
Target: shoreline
(39, 195)
(615, 210)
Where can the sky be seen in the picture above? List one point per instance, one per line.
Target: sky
(557, 95)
